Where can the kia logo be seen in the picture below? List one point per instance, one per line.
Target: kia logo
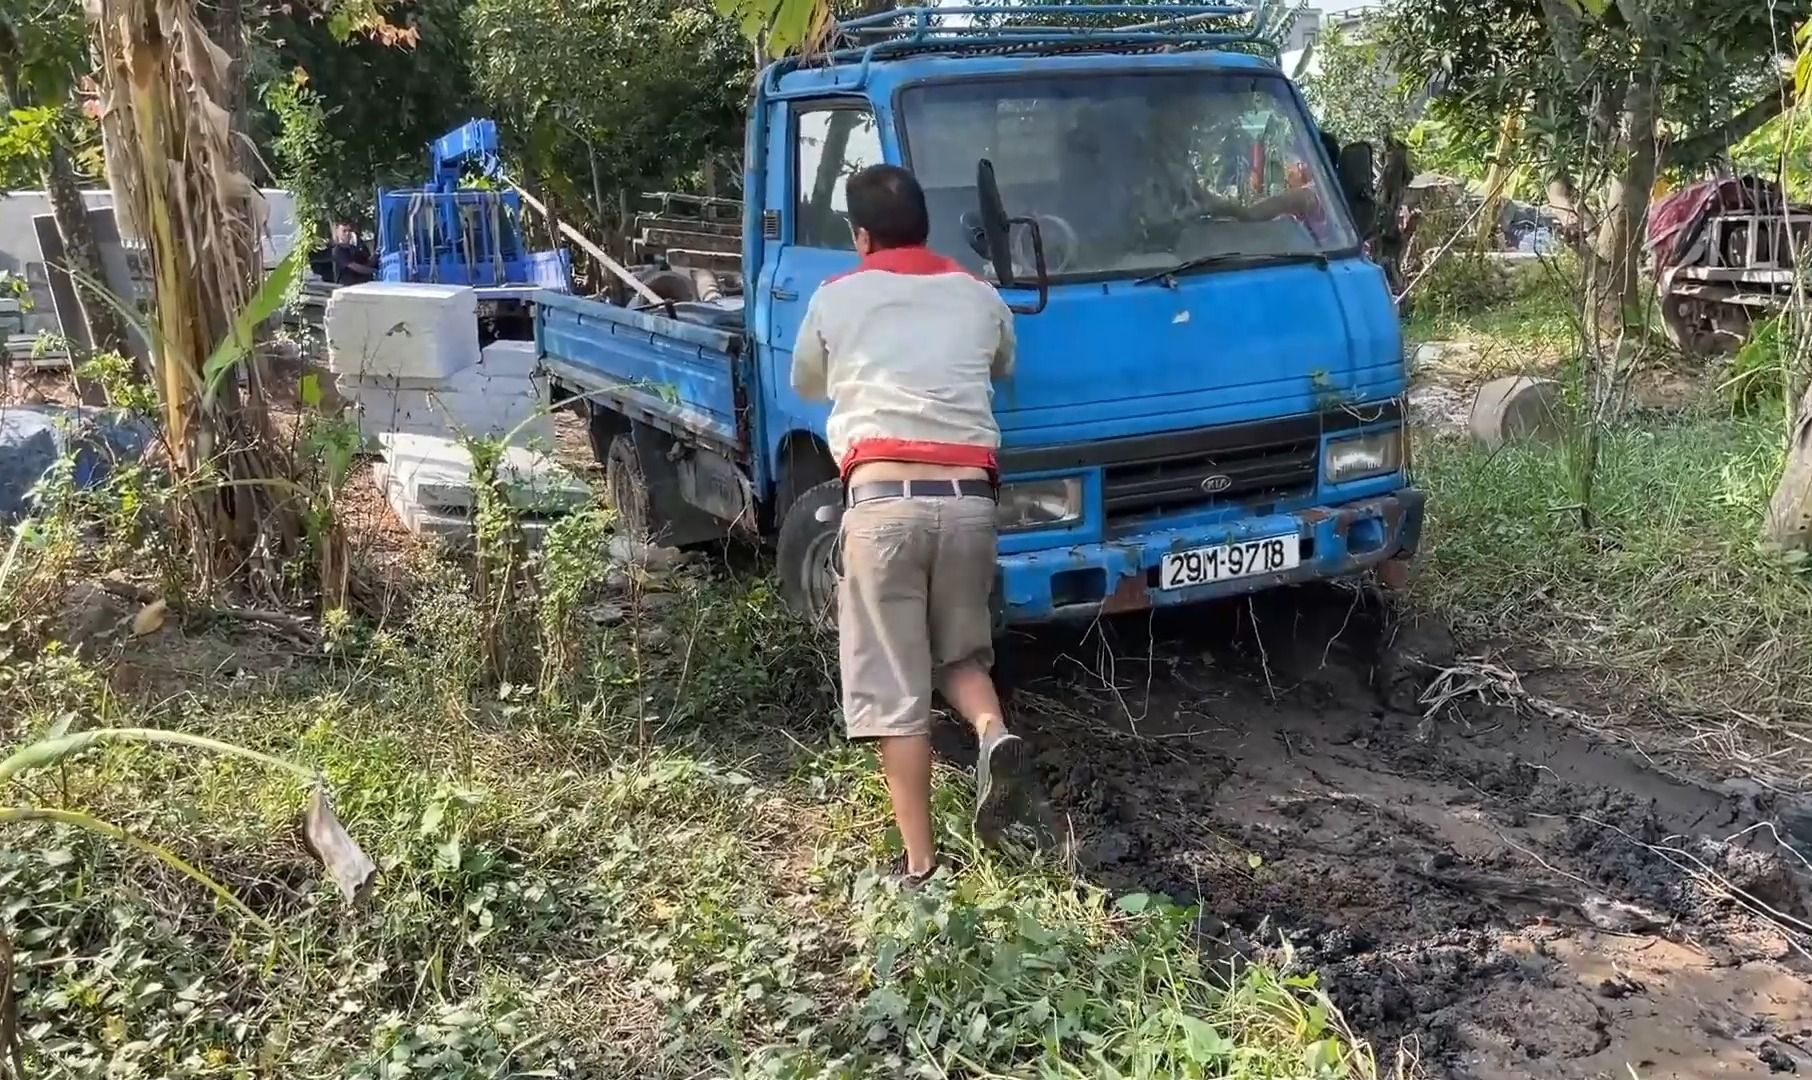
(1216, 484)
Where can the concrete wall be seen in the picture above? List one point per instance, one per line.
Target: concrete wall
(19, 242)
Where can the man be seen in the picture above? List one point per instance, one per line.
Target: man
(906, 348)
(351, 259)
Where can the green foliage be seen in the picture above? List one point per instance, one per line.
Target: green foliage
(781, 26)
(306, 153)
(1779, 148)
(1761, 370)
(1670, 590)
(572, 564)
(25, 139)
(120, 383)
(1463, 282)
(352, 105)
(1358, 92)
(273, 292)
(645, 93)
(577, 891)
(1510, 61)
(43, 51)
(641, 875)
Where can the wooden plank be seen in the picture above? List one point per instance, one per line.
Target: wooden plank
(668, 221)
(704, 260)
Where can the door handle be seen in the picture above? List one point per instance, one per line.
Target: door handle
(783, 294)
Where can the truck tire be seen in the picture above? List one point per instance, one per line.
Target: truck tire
(627, 486)
(810, 562)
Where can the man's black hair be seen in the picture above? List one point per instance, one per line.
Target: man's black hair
(888, 201)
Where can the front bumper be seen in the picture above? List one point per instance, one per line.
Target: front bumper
(1086, 580)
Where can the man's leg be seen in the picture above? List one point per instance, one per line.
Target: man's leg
(969, 689)
(906, 765)
(885, 651)
(962, 647)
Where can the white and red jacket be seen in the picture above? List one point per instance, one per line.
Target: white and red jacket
(907, 347)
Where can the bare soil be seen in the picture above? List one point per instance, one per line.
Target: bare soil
(1496, 890)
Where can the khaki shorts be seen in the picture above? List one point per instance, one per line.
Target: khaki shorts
(917, 577)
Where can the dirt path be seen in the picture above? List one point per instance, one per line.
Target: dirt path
(1506, 893)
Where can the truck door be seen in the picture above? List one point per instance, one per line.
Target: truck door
(825, 142)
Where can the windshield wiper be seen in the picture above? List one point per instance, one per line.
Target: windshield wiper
(1232, 258)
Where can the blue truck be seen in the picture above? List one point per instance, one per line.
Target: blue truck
(1209, 392)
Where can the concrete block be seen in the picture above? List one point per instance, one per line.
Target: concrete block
(468, 404)
(1516, 407)
(509, 359)
(402, 330)
(436, 473)
(427, 480)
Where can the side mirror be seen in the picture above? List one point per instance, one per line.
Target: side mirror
(1357, 166)
(989, 237)
(989, 231)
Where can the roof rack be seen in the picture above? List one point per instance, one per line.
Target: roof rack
(1022, 28)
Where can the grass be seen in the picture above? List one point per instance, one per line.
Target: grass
(663, 864)
(1526, 324)
(1671, 594)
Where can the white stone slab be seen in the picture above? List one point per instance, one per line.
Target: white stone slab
(436, 474)
(509, 359)
(468, 404)
(402, 330)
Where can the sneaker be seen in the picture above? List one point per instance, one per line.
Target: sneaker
(910, 883)
(1000, 783)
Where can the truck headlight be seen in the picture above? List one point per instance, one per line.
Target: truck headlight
(1037, 504)
(1377, 453)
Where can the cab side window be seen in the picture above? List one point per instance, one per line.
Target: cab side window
(834, 142)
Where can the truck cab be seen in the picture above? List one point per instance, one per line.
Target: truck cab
(1208, 391)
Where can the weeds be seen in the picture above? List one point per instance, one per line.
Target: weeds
(1671, 591)
(645, 858)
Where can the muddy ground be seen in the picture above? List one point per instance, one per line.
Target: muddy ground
(1493, 889)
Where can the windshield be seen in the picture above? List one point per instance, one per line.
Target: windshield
(1128, 174)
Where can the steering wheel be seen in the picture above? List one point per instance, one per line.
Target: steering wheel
(1061, 246)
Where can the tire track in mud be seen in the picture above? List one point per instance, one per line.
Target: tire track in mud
(1503, 894)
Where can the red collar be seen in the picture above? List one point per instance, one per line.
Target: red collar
(917, 261)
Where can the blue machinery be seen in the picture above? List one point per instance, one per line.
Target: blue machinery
(443, 233)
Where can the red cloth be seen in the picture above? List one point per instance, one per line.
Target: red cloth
(917, 261)
(918, 452)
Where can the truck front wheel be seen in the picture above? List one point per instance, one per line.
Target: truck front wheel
(809, 563)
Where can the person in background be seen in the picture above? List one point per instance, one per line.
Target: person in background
(906, 348)
(351, 258)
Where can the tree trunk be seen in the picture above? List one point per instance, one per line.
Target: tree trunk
(106, 328)
(227, 28)
(1790, 516)
(1621, 239)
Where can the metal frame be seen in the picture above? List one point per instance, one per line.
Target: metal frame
(879, 36)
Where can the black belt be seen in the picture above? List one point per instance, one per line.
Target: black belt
(918, 489)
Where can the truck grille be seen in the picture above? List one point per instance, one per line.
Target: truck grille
(1172, 472)
(1190, 481)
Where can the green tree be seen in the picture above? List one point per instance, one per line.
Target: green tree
(1357, 92)
(351, 101)
(43, 53)
(599, 96)
(1615, 91)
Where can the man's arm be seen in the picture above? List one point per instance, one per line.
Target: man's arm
(1005, 352)
(810, 378)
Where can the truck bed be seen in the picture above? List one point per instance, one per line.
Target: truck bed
(675, 374)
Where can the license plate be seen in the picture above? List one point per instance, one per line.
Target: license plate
(1267, 555)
